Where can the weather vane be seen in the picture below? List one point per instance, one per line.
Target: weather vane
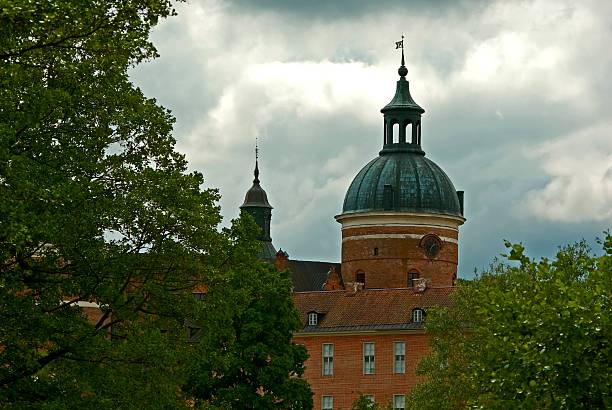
(402, 70)
(400, 44)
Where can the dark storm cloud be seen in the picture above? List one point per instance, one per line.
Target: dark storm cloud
(335, 9)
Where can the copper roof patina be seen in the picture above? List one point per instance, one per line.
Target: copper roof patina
(416, 184)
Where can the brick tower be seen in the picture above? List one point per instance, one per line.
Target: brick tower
(401, 214)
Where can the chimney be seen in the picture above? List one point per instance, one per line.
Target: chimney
(420, 284)
(352, 288)
(460, 195)
(333, 281)
(281, 260)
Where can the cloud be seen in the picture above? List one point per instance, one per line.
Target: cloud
(580, 170)
(346, 9)
(512, 90)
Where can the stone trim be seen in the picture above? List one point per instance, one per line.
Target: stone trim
(366, 219)
(395, 236)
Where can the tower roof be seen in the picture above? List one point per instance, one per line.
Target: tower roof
(256, 197)
(402, 182)
(402, 100)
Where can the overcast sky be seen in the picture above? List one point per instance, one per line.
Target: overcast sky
(518, 98)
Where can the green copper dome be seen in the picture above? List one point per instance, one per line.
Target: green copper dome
(402, 182)
(401, 179)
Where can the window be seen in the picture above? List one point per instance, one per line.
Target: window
(328, 359)
(193, 333)
(408, 133)
(312, 319)
(360, 277)
(327, 403)
(370, 397)
(368, 358)
(375, 252)
(417, 315)
(412, 275)
(399, 402)
(399, 357)
(388, 197)
(199, 295)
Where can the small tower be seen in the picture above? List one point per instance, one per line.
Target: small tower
(401, 214)
(257, 205)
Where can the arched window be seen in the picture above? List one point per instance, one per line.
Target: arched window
(396, 128)
(375, 252)
(385, 133)
(417, 315)
(408, 132)
(360, 277)
(412, 275)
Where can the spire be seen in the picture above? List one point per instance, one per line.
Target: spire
(402, 71)
(256, 172)
(256, 196)
(257, 205)
(404, 112)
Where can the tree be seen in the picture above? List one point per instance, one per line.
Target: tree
(364, 403)
(97, 207)
(246, 362)
(525, 335)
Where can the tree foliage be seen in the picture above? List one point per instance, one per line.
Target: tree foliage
(245, 363)
(525, 335)
(97, 206)
(364, 403)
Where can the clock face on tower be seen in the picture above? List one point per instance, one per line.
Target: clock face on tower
(431, 245)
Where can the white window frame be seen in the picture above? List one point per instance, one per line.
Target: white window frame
(329, 405)
(370, 397)
(395, 403)
(399, 357)
(313, 319)
(417, 315)
(327, 359)
(369, 358)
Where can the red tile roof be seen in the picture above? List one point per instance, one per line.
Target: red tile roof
(367, 309)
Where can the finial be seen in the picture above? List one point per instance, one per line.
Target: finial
(256, 173)
(402, 71)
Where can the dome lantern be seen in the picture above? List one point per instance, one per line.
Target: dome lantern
(402, 117)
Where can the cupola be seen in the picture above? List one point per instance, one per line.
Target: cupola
(401, 213)
(401, 178)
(402, 117)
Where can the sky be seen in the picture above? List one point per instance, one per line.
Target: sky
(517, 96)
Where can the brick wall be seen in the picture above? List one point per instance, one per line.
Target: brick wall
(398, 252)
(348, 380)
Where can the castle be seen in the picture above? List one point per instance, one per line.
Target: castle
(362, 319)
